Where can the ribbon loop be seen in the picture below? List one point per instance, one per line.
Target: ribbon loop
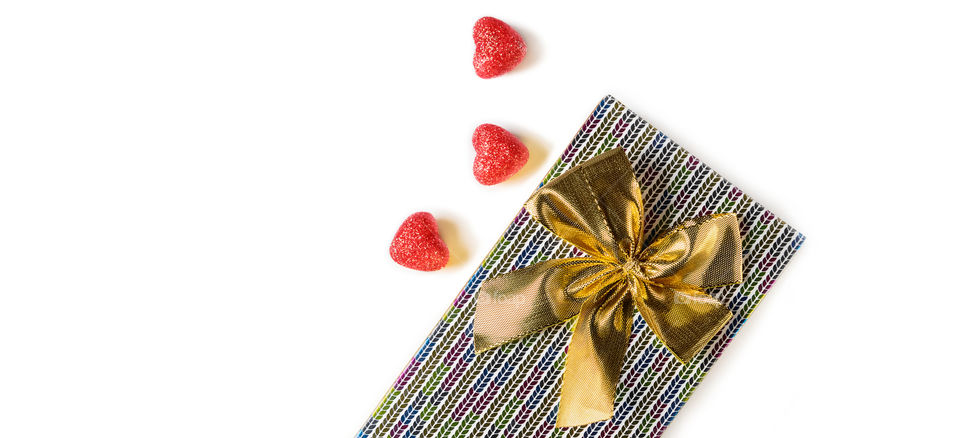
(701, 253)
(596, 207)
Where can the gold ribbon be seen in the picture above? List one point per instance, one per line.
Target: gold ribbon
(596, 207)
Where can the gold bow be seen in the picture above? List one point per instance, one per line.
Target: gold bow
(596, 207)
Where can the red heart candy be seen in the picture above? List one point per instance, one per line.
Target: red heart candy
(500, 154)
(499, 47)
(417, 244)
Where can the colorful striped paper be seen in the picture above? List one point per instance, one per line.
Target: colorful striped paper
(447, 390)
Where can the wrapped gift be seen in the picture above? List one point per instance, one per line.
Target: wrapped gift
(605, 302)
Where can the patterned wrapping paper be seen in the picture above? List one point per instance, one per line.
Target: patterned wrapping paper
(449, 391)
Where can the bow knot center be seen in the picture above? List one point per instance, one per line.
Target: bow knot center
(630, 267)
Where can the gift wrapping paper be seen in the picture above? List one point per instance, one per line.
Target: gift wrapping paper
(447, 390)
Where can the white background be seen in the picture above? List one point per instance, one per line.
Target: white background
(197, 197)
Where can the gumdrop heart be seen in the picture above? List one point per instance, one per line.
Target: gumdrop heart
(417, 244)
(499, 47)
(500, 154)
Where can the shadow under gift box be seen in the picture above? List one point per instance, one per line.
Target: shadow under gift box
(514, 390)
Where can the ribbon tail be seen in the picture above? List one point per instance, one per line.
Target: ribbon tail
(595, 357)
(518, 303)
(684, 319)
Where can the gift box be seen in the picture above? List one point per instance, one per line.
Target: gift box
(459, 384)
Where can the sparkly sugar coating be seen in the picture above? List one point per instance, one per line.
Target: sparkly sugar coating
(499, 47)
(500, 154)
(417, 244)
